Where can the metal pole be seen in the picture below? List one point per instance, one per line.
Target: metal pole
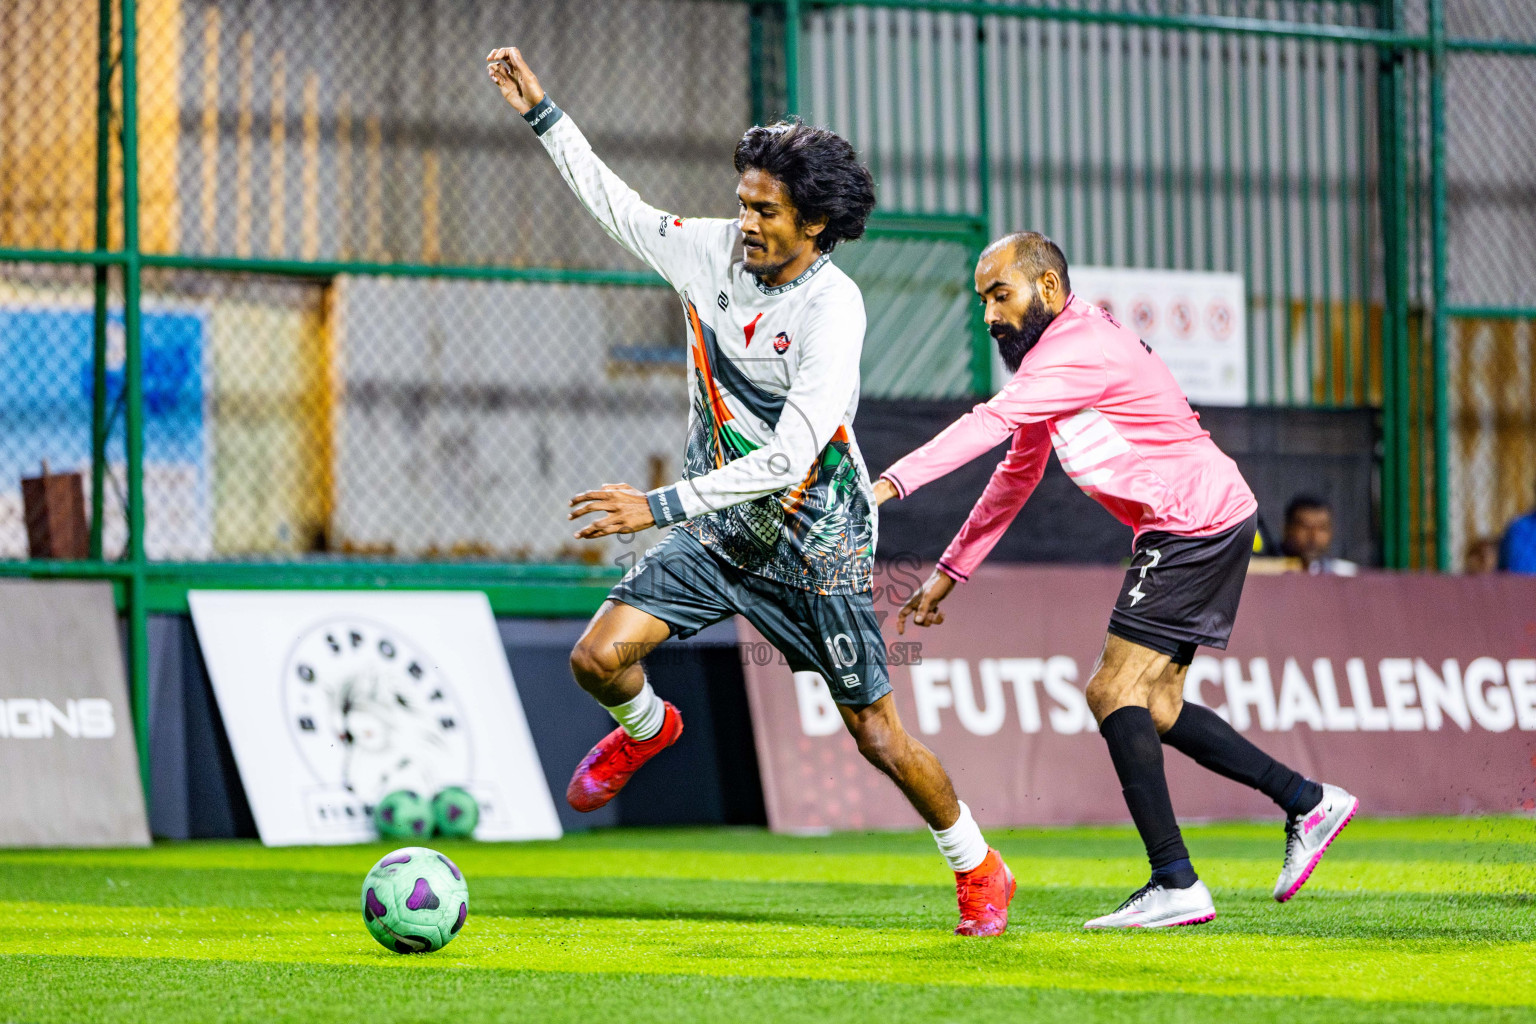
(99, 425)
(981, 341)
(792, 56)
(1403, 401)
(1386, 188)
(1437, 256)
(1395, 384)
(138, 622)
(755, 50)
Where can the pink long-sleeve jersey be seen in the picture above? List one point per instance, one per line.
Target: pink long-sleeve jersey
(1122, 428)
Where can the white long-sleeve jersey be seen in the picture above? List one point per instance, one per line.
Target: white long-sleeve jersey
(773, 480)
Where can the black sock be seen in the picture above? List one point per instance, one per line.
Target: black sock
(1200, 733)
(1138, 758)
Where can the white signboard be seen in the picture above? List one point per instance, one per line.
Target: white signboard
(333, 699)
(1194, 321)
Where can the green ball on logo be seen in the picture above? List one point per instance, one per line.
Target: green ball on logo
(456, 813)
(403, 814)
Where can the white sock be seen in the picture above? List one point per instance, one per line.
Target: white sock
(962, 843)
(642, 717)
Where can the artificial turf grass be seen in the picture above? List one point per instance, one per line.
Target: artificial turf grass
(105, 990)
(1501, 838)
(1210, 961)
(1418, 912)
(1469, 917)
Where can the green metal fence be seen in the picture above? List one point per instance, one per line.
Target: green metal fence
(1300, 144)
(314, 315)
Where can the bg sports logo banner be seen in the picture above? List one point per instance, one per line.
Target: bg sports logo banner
(332, 700)
(1418, 693)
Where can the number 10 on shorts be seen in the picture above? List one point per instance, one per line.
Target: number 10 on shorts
(844, 654)
(842, 650)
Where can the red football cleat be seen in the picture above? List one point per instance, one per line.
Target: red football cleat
(985, 892)
(608, 766)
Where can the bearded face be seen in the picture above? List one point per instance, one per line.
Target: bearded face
(1014, 340)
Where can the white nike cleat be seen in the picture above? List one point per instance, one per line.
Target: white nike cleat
(1153, 906)
(1307, 836)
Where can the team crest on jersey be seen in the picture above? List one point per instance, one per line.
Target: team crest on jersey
(781, 342)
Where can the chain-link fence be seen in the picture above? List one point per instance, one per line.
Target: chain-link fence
(47, 409)
(349, 130)
(311, 387)
(373, 326)
(1490, 169)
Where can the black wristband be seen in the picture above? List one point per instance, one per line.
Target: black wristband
(952, 572)
(543, 116)
(666, 506)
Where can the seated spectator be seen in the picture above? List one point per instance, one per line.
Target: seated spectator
(1308, 534)
(1518, 551)
(1482, 556)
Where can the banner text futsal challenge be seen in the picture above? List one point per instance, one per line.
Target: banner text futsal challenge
(1397, 694)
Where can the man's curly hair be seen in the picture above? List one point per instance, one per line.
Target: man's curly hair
(820, 171)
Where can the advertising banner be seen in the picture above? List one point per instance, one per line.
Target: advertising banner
(1417, 693)
(333, 699)
(45, 385)
(1195, 321)
(67, 751)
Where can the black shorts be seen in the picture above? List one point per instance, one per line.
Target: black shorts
(1182, 592)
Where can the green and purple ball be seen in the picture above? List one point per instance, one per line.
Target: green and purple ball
(456, 813)
(415, 900)
(403, 814)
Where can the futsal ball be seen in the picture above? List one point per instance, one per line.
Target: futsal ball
(415, 900)
(456, 813)
(403, 814)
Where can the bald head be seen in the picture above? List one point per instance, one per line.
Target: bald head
(1022, 282)
(1033, 254)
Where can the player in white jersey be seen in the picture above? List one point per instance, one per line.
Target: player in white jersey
(774, 514)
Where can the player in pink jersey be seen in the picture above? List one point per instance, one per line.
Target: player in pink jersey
(1124, 432)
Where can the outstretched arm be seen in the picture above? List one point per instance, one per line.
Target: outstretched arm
(1013, 481)
(1067, 382)
(670, 245)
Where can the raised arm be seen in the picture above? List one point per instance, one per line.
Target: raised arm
(670, 245)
